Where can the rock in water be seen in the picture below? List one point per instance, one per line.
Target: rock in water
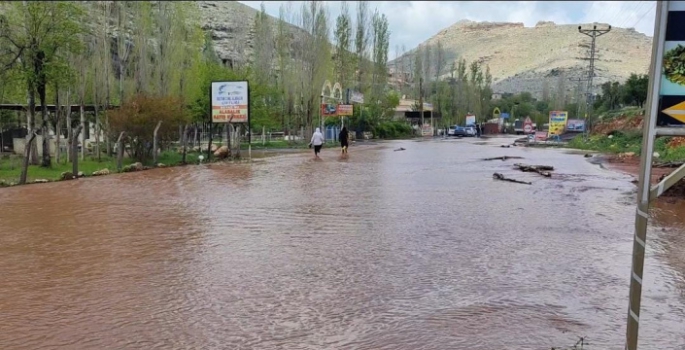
(222, 152)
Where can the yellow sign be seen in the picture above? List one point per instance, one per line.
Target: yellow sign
(557, 122)
(496, 113)
(676, 112)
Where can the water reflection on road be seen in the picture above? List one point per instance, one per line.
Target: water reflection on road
(418, 249)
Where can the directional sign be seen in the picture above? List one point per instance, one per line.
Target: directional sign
(676, 112)
(672, 82)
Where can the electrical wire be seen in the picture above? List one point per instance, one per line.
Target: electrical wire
(643, 15)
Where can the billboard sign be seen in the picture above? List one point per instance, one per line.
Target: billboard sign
(557, 122)
(575, 125)
(672, 87)
(345, 110)
(230, 102)
(470, 119)
(356, 97)
(329, 109)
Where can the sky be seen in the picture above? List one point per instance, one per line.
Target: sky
(413, 22)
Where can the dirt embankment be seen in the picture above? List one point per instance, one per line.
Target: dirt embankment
(620, 123)
(631, 165)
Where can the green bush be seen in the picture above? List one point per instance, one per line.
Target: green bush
(392, 130)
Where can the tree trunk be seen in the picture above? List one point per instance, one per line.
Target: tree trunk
(58, 125)
(33, 152)
(97, 134)
(154, 143)
(195, 138)
(96, 101)
(67, 110)
(74, 150)
(82, 113)
(184, 140)
(120, 151)
(70, 136)
(25, 164)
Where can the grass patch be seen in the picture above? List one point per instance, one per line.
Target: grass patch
(10, 167)
(623, 142)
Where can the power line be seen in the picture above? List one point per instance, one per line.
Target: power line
(643, 15)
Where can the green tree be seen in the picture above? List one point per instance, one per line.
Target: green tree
(344, 60)
(39, 33)
(635, 90)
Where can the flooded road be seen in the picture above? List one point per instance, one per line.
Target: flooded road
(418, 249)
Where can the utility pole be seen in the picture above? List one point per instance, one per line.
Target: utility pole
(579, 92)
(593, 34)
(421, 102)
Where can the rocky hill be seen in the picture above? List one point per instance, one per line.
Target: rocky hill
(530, 58)
(231, 25)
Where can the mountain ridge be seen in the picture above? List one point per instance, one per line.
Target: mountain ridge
(531, 58)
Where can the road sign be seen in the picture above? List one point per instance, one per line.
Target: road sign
(676, 112)
(528, 126)
(504, 115)
(664, 107)
(672, 78)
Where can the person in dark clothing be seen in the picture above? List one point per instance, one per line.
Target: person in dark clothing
(344, 140)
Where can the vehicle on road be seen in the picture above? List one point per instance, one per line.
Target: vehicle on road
(518, 127)
(470, 130)
(460, 131)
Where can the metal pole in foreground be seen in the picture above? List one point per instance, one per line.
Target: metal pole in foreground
(643, 195)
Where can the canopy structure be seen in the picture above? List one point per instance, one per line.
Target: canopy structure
(52, 108)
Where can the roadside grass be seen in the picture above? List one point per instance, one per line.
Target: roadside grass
(10, 167)
(628, 141)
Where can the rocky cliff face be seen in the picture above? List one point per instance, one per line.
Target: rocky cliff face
(531, 59)
(231, 25)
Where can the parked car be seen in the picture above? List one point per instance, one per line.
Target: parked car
(460, 131)
(470, 130)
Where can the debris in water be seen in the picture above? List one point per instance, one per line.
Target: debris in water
(400, 149)
(502, 158)
(543, 170)
(498, 176)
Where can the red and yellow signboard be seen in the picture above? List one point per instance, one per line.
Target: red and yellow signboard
(345, 110)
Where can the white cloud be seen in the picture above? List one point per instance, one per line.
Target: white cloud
(412, 22)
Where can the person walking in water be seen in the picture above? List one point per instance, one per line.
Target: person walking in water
(317, 141)
(344, 141)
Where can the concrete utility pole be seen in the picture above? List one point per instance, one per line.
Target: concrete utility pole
(593, 34)
(421, 102)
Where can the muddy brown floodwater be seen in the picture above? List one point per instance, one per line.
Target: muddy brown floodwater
(419, 249)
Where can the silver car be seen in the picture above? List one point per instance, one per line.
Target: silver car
(470, 130)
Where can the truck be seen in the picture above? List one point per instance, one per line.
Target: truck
(518, 127)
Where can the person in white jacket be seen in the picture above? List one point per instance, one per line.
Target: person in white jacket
(317, 142)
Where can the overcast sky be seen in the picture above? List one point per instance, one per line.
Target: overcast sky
(412, 22)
